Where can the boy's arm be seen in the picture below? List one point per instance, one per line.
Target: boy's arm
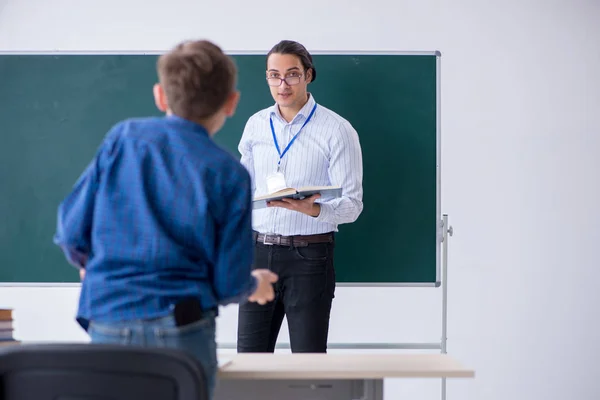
(232, 279)
(76, 211)
(75, 215)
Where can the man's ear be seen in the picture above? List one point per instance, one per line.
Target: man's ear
(231, 104)
(309, 73)
(160, 99)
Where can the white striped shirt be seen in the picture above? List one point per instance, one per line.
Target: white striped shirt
(326, 152)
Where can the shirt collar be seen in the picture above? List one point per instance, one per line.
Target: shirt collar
(304, 111)
(186, 123)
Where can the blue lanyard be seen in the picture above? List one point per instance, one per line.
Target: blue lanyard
(294, 138)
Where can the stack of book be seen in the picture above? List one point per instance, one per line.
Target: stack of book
(6, 326)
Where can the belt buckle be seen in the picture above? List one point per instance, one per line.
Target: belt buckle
(271, 243)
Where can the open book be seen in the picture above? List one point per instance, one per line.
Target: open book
(326, 192)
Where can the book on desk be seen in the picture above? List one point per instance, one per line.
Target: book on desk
(326, 192)
(6, 326)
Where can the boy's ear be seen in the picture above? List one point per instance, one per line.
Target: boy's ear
(231, 103)
(160, 99)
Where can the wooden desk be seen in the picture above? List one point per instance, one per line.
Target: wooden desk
(326, 376)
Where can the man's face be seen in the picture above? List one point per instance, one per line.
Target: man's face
(292, 92)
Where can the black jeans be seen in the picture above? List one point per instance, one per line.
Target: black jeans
(303, 294)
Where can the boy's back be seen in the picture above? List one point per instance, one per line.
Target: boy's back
(162, 193)
(160, 221)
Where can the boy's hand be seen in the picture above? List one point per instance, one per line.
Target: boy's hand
(264, 291)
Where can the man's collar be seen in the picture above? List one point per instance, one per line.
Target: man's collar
(304, 111)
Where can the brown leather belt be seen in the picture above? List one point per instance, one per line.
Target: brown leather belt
(294, 241)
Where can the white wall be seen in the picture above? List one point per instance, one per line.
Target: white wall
(520, 171)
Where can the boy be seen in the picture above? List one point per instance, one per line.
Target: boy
(160, 220)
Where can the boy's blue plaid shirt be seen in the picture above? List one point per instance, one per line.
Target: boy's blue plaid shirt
(161, 213)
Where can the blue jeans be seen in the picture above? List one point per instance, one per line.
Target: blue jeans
(197, 339)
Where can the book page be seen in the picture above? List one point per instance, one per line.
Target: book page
(317, 188)
(282, 192)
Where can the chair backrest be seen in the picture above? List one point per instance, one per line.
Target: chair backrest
(82, 371)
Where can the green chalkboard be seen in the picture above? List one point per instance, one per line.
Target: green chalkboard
(57, 108)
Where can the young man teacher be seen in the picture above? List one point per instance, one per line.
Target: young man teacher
(294, 143)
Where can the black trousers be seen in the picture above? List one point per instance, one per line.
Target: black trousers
(303, 294)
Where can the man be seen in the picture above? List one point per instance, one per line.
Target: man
(160, 221)
(296, 143)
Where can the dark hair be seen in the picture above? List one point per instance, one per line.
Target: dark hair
(295, 48)
(197, 78)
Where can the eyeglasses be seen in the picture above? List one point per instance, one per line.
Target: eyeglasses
(289, 80)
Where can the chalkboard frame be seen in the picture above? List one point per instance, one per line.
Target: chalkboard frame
(439, 226)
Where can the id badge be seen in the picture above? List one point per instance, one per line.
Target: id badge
(275, 182)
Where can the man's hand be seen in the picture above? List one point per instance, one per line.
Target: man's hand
(306, 206)
(81, 273)
(264, 290)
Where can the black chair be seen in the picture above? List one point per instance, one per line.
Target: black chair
(83, 371)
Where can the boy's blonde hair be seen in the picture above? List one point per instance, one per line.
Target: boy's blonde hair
(197, 78)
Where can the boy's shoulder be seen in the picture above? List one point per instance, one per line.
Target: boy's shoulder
(204, 151)
(135, 124)
(130, 128)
